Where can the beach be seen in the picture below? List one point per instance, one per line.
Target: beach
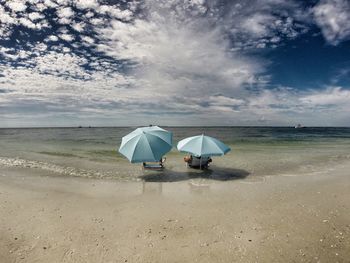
(277, 219)
(288, 203)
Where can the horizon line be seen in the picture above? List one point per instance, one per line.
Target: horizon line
(175, 126)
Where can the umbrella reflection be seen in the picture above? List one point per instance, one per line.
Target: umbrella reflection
(152, 188)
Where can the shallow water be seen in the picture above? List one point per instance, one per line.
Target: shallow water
(256, 151)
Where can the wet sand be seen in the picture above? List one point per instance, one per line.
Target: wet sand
(295, 218)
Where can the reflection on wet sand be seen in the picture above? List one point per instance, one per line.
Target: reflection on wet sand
(152, 181)
(199, 188)
(152, 188)
(213, 173)
(156, 188)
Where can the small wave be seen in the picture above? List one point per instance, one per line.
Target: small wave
(108, 153)
(61, 154)
(54, 168)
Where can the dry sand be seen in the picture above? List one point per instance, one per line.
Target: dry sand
(303, 218)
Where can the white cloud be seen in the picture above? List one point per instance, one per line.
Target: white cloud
(50, 4)
(120, 14)
(224, 104)
(65, 12)
(35, 16)
(41, 47)
(88, 40)
(258, 24)
(63, 2)
(64, 21)
(61, 64)
(40, 7)
(104, 9)
(89, 14)
(333, 96)
(27, 23)
(6, 18)
(79, 27)
(116, 12)
(55, 91)
(187, 60)
(96, 21)
(83, 4)
(52, 38)
(16, 6)
(66, 37)
(333, 17)
(65, 15)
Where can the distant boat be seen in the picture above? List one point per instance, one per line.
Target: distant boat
(299, 126)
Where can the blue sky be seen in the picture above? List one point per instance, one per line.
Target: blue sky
(174, 62)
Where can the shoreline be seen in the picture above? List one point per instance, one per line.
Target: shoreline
(278, 219)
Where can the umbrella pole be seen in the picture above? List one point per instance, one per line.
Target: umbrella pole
(200, 163)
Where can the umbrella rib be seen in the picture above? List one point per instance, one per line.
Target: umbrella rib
(125, 143)
(216, 146)
(128, 138)
(132, 156)
(184, 144)
(150, 146)
(158, 137)
(201, 145)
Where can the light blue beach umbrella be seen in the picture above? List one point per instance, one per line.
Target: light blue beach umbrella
(146, 144)
(202, 145)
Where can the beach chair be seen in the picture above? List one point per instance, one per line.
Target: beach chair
(154, 165)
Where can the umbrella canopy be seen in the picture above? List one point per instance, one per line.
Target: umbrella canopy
(146, 144)
(202, 145)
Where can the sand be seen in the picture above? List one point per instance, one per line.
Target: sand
(295, 218)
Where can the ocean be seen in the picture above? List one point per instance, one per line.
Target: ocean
(256, 152)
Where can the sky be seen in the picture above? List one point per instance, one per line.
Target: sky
(174, 62)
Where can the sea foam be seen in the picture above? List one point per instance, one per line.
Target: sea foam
(49, 167)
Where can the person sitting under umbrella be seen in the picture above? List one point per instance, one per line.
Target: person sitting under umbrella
(201, 148)
(201, 162)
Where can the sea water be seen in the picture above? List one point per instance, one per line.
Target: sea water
(256, 151)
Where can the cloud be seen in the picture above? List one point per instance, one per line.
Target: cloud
(65, 15)
(332, 96)
(115, 12)
(333, 16)
(16, 6)
(52, 38)
(27, 23)
(79, 27)
(35, 16)
(66, 37)
(172, 55)
(84, 4)
(6, 18)
(256, 24)
(56, 88)
(88, 40)
(50, 4)
(175, 61)
(65, 12)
